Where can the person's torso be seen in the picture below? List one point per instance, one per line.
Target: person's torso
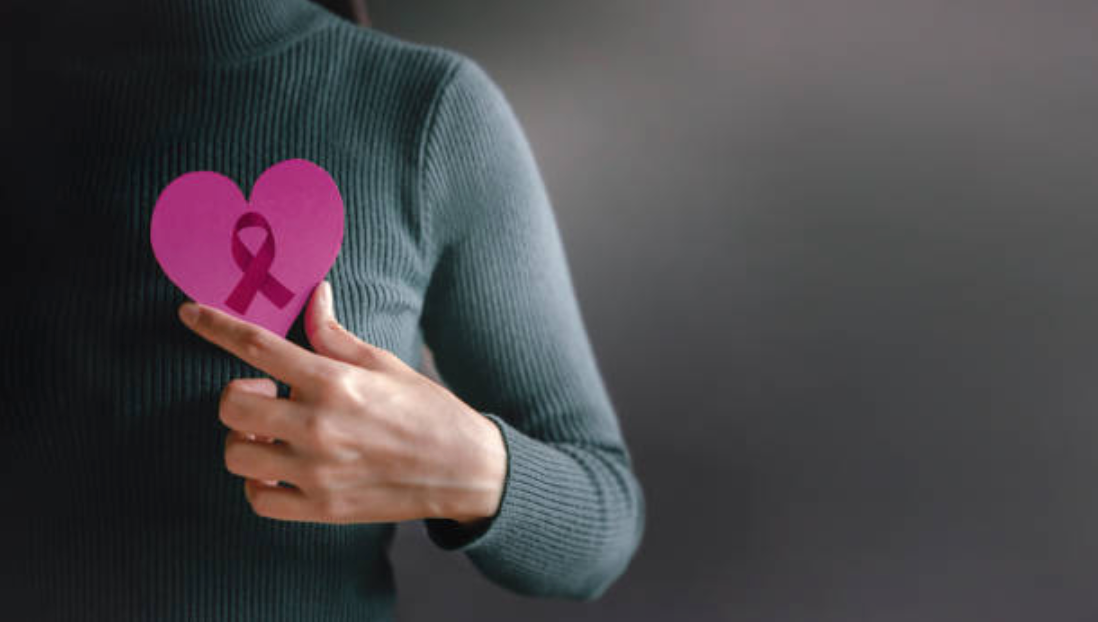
(111, 443)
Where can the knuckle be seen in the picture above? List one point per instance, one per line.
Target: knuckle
(318, 430)
(230, 388)
(228, 404)
(337, 378)
(229, 394)
(237, 385)
(337, 384)
(253, 343)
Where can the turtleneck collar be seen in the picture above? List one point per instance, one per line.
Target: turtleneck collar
(184, 30)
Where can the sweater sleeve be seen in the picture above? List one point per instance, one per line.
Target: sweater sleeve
(506, 333)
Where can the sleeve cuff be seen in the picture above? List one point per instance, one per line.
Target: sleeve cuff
(567, 524)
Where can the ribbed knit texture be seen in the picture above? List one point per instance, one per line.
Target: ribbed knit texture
(117, 505)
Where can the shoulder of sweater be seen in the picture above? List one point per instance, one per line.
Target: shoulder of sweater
(450, 111)
(393, 60)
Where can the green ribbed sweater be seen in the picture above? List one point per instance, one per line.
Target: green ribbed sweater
(117, 505)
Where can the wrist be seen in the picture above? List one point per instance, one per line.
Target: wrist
(487, 473)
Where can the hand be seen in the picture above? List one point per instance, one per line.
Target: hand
(362, 437)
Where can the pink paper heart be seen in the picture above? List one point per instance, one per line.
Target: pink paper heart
(259, 258)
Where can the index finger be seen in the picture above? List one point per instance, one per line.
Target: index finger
(255, 345)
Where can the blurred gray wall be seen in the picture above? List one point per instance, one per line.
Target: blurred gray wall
(838, 260)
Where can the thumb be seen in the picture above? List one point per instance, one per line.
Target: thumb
(329, 338)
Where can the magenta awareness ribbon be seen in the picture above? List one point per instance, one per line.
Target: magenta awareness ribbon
(256, 277)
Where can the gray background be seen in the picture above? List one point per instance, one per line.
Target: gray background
(836, 259)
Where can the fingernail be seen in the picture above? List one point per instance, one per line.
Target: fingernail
(188, 313)
(327, 285)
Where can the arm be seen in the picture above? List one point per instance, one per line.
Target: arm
(505, 329)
